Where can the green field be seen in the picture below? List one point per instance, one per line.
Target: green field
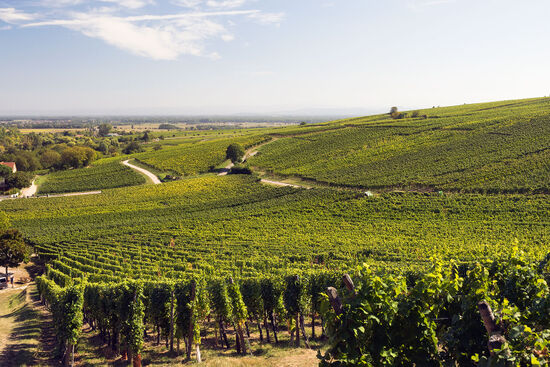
(458, 213)
(97, 177)
(495, 147)
(235, 225)
(191, 156)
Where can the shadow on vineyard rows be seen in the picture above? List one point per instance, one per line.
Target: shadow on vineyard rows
(93, 351)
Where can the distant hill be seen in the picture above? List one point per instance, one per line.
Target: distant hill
(489, 147)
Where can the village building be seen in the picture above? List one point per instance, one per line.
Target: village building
(10, 165)
(13, 170)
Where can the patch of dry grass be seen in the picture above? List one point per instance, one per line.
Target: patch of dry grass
(20, 327)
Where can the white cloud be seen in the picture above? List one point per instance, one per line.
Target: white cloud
(267, 18)
(213, 4)
(60, 3)
(131, 4)
(168, 37)
(225, 4)
(188, 3)
(160, 37)
(80, 17)
(228, 37)
(156, 43)
(11, 15)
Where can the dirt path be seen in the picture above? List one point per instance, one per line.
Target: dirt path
(251, 152)
(74, 194)
(26, 330)
(280, 183)
(54, 195)
(23, 323)
(153, 178)
(63, 195)
(29, 191)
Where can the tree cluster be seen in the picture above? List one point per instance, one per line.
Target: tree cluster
(235, 152)
(13, 248)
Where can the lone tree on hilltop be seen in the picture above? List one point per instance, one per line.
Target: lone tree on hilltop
(235, 152)
(394, 113)
(13, 249)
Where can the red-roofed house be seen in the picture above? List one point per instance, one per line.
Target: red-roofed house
(13, 170)
(10, 165)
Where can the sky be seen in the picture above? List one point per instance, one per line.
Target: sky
(268, 56)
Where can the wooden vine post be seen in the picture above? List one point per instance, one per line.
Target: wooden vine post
(349, 284)
(297, 329)
(496, 339)
(266, 328)
(334, 300)
(333, 297)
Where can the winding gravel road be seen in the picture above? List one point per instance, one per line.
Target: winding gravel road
(279, 183)
(251, 153)
(29, 191)
(153, 178)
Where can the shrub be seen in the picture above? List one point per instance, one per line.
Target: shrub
(240, 170)
(133, 147)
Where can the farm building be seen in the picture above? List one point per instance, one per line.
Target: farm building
(13, 170)
(10, 165)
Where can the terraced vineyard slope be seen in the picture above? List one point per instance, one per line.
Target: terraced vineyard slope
(99, 176)
(193, 157)
(234, 225)
(492, 147)
(209, 255)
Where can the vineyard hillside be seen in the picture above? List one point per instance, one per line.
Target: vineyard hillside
(491, 147)
(191, 157)
(99, 176)
(235, 225)
(381, 241)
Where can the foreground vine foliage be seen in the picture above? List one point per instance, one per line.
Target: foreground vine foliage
(432, 319)
(420, 318)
